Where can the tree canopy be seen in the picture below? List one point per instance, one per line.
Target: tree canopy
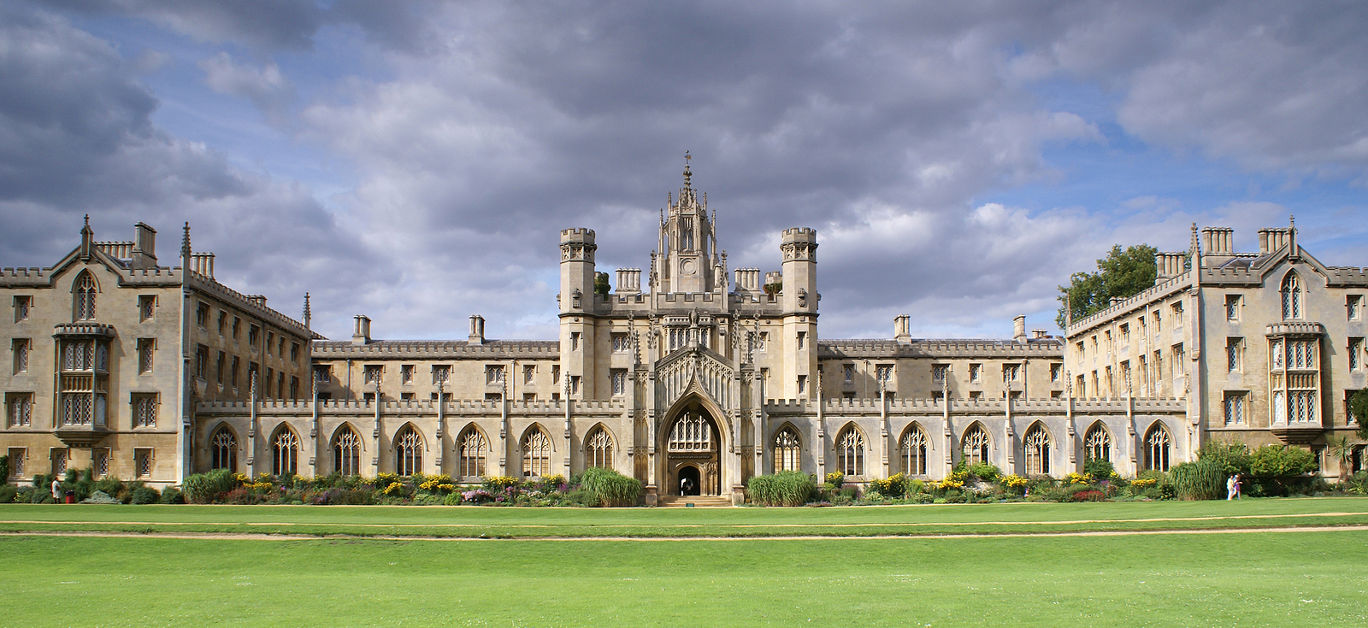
(1358, 407)
(1122, 273)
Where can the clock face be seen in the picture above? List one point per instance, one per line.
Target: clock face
(688, 267)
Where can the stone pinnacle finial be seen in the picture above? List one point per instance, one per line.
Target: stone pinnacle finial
(185, 241)
(1195, 243)
(87, 239)
(688, 174)
(308, 311)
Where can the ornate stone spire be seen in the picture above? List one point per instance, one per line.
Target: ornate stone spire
(87, 239)
(308, 311)
(185, 243)
(688, 174)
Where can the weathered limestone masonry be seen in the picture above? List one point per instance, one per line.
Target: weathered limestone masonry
(110, 352)
(693, 378)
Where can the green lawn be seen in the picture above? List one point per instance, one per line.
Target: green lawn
(695, 522)
(1260, 578)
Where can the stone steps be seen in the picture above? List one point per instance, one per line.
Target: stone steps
(675, 501)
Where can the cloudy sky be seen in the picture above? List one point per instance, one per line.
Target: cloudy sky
(416, 161)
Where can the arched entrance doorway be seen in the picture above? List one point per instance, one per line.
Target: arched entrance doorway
(692, 453)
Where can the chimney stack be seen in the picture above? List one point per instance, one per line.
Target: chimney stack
(477, 336)
(1019, 328)
(144, 247)
(900, 328)
(361, 335)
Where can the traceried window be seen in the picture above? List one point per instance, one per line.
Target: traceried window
(470, 453)
(406, 374)
(1353, 305)
(1097, 443)
(19, 409)
(848, 373)
(408, 451)
(1233, 406)
(939, 372)
(598, 449)
(223, 449)
(850, 451)
(975, 445)
(787, 450)
(441, 373)
(691, 432)
(912, 451)
(529, 373)
(22, 304)
(620, 342)
(619, 380)
(1011, 373)
(20, 348)
(144, 409)
(494, 374)
(976, 369)
(536, 453)
(1157, 443)
(371, 374)
(322, 373)
(1037, 450)
(1291, 297)
(83, 297)
(347, 451)
(884, 373)
(1057, 371)
(99, 462)
(284, 452)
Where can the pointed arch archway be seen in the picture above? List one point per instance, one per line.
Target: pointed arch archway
(535, 447)
(284, 451)
(913, 448)
(472, 452)
(693, 437)
(787, 447)
(1158, 445)
(408, 450)
(850, 450)
(1036, 446)
(976, 444)
(1097, 442)
(346, 450)
(599, 446)
(223, 446)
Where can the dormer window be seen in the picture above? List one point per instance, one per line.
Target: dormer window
(1291, 297)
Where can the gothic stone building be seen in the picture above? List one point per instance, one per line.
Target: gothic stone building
(707, 374)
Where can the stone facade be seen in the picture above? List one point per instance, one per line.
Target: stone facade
(704, 373)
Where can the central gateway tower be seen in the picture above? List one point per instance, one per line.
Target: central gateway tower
(692, 358)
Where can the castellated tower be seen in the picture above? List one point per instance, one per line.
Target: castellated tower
(577, 305)
(799, 306)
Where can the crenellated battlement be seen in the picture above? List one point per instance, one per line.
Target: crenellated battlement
(577, 234)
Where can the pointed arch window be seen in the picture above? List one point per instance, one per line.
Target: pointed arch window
(470, 453)
(1291, 297)
(975, 445)
(850, 451)
(347, 452)
(1097, 443)
(1157, 448)
(912, 451)
(787, 450)
(536, 453)
(598, 449)
(1037, 446)
(408, 449)
(691, 432)
(223, 449)
(83, 297)
(285, 452)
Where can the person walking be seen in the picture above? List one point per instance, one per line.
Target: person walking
(1237, 486)
(56, 490)
(1230, 488)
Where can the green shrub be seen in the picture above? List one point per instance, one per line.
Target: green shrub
(171, 495)
(785, 488)
(207, 488)
(1281, 470)
(111, 486)
(916, 487)
(143, 495)
(4, 466)
(611, 488)
(1099, 468)
(8, 493)
(39, 496)
(1233, 457)
(1204, 479)
(835, 479)
(984, 471)
(893, 486)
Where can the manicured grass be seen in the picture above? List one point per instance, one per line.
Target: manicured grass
(1260, 578)
(695, 522)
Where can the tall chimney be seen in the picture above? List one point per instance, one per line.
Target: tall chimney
(477, 336)
(144, 247)
(900, 328)
(1019, 328)
(361, 335)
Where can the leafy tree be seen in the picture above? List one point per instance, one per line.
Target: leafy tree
(601, 284)
(1358, 406)
(1122, 273)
